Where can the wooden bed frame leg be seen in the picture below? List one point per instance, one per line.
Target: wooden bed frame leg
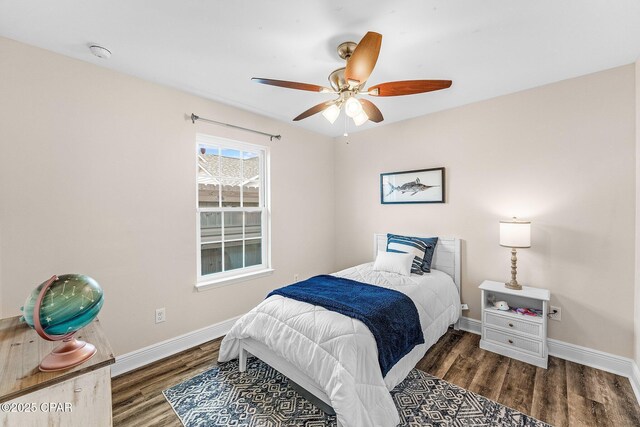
(242, 359)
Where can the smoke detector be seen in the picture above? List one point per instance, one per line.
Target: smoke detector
(100, 52)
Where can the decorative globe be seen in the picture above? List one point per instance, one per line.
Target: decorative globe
(71, 303)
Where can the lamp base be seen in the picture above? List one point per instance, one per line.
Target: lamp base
(513, 285)
(67, 355)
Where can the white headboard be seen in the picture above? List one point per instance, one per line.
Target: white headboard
(446, 257)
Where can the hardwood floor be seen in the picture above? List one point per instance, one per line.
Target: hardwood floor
(137, 395)
(565, 394)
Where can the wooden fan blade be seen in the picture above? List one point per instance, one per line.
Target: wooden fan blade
(314, 110)
(364, 57)
(292, 85)
(408, 87)
(372, 111)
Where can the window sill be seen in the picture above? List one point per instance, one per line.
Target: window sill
(226, 281)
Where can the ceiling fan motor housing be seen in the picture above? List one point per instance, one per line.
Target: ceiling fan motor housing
(345, 50)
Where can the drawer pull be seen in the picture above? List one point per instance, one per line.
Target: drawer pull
(510, 341)
(78, 390)
(511, 325)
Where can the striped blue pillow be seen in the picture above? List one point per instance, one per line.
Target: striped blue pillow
(422, 250)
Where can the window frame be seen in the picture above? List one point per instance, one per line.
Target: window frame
(225, 278)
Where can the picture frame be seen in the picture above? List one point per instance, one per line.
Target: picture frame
(414, 186)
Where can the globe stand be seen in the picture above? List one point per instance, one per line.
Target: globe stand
(67, 355)
(72, 352)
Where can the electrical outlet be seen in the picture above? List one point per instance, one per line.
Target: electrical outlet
(161, 315)
(465, 306)
(296, 277)
(555, 313)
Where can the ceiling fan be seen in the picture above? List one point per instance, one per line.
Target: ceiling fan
(348, 82)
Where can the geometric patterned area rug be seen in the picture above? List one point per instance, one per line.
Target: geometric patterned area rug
(262, 397)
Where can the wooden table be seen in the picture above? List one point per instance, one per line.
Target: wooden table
(77, 396)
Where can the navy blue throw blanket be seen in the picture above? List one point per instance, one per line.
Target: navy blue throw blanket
(390, 315)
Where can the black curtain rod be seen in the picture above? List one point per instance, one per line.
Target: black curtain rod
(194, 118)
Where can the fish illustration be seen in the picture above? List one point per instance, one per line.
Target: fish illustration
(410, 187)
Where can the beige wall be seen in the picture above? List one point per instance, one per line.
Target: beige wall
(1, 287)
(561, 155)
(637, 283)
(97, 176)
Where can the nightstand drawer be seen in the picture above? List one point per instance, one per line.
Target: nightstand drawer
(523, 326)
(516, 342)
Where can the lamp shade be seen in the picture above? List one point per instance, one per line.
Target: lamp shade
(352, 107)
(331, 113)
(361, 118)
(515, 233)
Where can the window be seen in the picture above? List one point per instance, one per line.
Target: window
(233, 210)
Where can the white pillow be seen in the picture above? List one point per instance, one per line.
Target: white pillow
(394, 262)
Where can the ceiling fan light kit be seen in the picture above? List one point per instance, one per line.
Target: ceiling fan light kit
(349, 82)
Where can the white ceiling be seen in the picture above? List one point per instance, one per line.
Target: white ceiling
(213, 48)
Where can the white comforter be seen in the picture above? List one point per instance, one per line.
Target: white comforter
(340, 353)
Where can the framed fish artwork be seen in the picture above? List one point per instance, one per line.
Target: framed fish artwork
(417, 186)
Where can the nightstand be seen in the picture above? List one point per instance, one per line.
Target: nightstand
(511, 334)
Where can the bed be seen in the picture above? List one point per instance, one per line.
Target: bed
(334, 357)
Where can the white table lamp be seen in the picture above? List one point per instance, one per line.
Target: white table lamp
(515, 234)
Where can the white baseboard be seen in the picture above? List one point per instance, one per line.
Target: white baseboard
(575, 353)
(471, 325)
(590, 357)
(634, 378)
(144, 356)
